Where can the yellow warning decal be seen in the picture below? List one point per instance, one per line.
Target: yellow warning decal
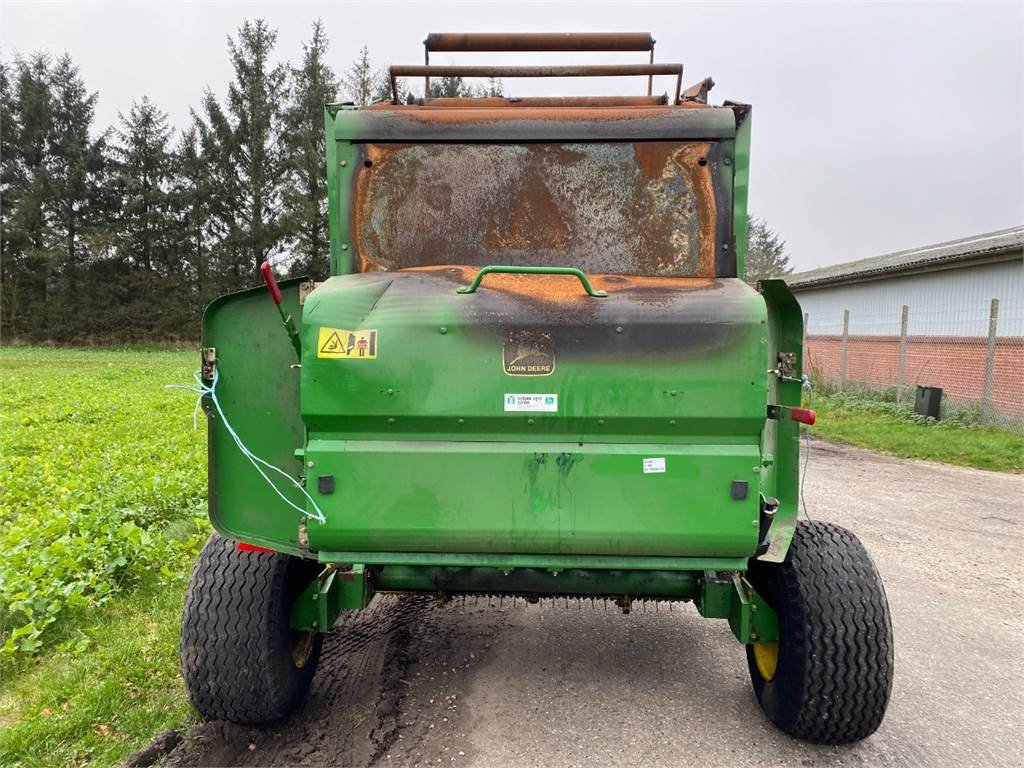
(340, 344)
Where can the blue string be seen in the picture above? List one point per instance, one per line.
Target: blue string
(211, 392)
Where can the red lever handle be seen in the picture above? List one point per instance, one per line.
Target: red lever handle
(268, 278)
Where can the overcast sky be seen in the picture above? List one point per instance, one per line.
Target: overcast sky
(876, 127)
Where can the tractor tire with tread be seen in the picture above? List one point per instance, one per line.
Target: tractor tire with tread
(240, 658)
(829, 678)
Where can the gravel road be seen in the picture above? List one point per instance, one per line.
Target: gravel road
(408, 683)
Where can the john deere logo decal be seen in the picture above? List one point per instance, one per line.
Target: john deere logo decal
(528, 353)
(340, 344)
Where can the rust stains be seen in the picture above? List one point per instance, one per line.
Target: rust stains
(492, 102)
(473, 114)
(565, 290)
(612, 208)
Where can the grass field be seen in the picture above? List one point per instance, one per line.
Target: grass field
(102, 488)
(891, 428)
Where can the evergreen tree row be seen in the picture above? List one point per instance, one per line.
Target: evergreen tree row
(125, 234)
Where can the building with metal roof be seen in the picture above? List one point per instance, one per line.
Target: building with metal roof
(999, 246)
(948, 314)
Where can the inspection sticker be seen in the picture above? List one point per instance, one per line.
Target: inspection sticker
(340, 344)
(532, 403)
(654, 465)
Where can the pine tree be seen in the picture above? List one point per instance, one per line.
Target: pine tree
(192, 197)
(25, 127)
(75, 164)
(144, 232)
(449, 87)
(494, 87)
(142, 170)
(243, 143)
(305, 198)
(382, 89)
(360, 82)
(766, 256)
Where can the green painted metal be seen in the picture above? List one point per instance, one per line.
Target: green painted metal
(780, 439)
(506, 561)
(471, 288)
(639, 464)
(723, 595)
(741, 184)
(258, 387)
(341, 165)
(289, 328)
(669, 585)
(332, 592)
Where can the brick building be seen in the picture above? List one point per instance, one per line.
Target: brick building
(949, 315)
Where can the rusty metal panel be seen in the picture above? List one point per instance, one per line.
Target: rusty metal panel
(462, 102)
(642, 208)
(433, 124)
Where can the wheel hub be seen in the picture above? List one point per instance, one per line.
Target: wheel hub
(301, 647)
(766, 656)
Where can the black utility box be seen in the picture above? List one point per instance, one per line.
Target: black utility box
(928, 401)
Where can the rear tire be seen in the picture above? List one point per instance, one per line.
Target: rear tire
(240, 658)
(829, 677)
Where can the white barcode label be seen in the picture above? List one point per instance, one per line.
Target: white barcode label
(654, 465)
(532, 403)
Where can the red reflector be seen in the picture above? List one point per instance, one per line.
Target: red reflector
(243, 547)
(803, 415)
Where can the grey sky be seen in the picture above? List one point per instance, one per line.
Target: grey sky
(876, 126)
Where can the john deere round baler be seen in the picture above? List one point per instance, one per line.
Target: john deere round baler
(535, 370)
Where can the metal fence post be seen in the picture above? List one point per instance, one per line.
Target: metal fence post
(807, 348)
(902, 371)
(990, 358)
(843, 349)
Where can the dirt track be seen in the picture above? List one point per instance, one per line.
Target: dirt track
(407, 683)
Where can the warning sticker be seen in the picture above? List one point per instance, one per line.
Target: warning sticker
(654, 466)
(532, 403)
(340, 344)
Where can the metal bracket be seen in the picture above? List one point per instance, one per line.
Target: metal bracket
(208, 363)
(699, 91)
(725, 596)
(786, 364)
(305, 289)
(336, 589)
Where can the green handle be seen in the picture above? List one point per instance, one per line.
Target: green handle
(471, 288)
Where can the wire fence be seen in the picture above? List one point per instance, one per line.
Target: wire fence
(972, 347)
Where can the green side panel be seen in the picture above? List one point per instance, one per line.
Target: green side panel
(333, 202)
(341, 166)
(741, 188)
(541, 498)
(781, 437)
(258, 390)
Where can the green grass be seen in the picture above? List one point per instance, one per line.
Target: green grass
(102, 488)
(98, 705)
(885, 426)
